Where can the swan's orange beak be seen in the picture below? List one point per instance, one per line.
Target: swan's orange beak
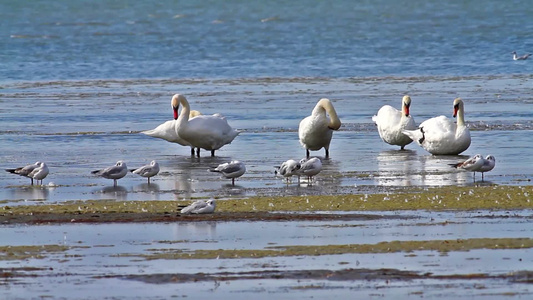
(455, 109)
(175, 112)
(406, 110)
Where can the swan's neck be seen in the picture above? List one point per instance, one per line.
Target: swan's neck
(461, 116)
(325, 105)
(184, 114)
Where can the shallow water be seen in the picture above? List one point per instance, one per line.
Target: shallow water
(100, 255)
(80, 126)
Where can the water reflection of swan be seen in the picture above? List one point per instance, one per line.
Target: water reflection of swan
(406, 168)
(436, 171)
(397, 167)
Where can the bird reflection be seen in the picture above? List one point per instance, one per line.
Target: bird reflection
(194, 230)
(397, 167)
(406, 168)
(31, 193)
(118, 191)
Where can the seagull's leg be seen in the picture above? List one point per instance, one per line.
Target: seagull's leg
(114, 182)
(233, 181)
(482, 176)
(148, 180)
(31, 181)
(307, 153)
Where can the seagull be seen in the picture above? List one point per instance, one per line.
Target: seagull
(25, 171)
(472, 164)
(148, 170)
(39, 173)
(200, 207)
(115, 172)
(310, 167)
(488, 164)
(523, 57)
(232, 170)
(288, 168)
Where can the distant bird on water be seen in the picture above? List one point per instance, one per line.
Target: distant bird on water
(115, 172)
(200, 207)
(523, 57)
(232, 170)
(25, 171)
(148, 170)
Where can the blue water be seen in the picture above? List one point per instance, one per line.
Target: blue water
(64, 40)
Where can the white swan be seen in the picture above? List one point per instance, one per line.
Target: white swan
(315, 131)
(391, 122)
(206, 132)
(169, 132)
(441, 136)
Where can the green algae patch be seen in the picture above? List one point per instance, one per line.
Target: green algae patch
(27, 252)
(442, 246)
(438, 198)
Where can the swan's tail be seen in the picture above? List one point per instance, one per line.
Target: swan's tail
(416, 135)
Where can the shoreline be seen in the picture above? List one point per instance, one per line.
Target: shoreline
(283, 208)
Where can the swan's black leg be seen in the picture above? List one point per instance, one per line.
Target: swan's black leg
(212, 153)
(327, 153)
(307, 153)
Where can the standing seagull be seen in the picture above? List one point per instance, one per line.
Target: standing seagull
(488, 164)
(200, 207)
(288, 168)
(115, 172)
(315, 131)
(523, 57)
(391, 122)
(39, 173)
(472, 164)
(25, 171)
(148, 170)
(310, 167)
(232, 170)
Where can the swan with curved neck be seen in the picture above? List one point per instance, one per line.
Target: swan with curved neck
(206, 132)
(315, 131)
(168, 131)
(391, 122)
(441, 136)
